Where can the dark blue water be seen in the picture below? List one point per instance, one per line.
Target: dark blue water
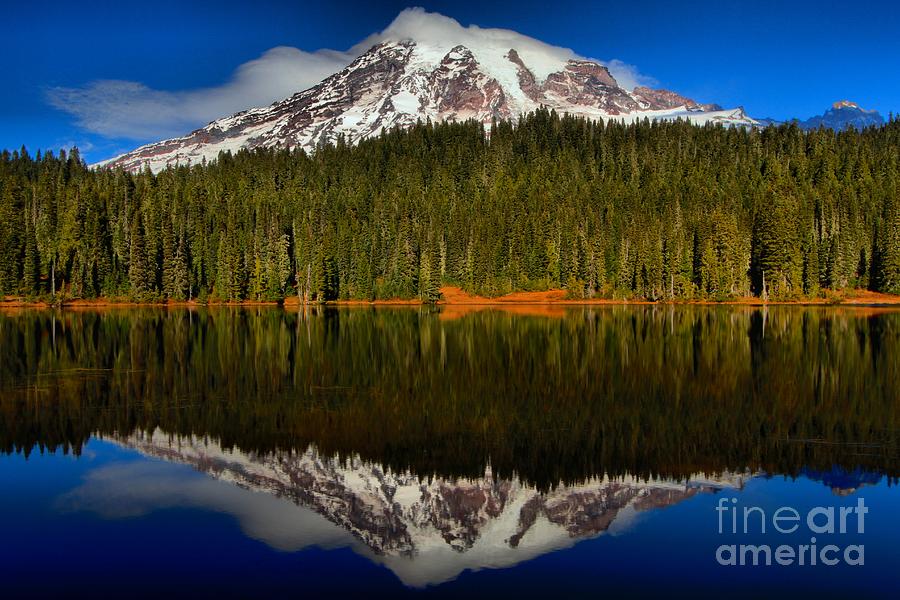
(176, 493)
(59, 538)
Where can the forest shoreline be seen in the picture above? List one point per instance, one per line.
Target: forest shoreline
(455, 297)
(664, 211)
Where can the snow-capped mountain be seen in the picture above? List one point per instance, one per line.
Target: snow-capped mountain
(844, 115)
(453, 74)
(426, 530)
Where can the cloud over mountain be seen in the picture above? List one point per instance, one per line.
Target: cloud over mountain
(129, 109)
(132, 110)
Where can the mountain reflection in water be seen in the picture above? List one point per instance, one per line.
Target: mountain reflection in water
(427, 531)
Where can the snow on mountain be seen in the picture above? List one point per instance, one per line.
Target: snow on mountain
(425, 530)
(427, 66)
(842, 115)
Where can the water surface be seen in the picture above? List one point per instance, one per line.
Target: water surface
(269, 452)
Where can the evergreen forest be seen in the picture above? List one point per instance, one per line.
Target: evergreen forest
(656, 211)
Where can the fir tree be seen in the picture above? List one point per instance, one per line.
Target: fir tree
(140, 271)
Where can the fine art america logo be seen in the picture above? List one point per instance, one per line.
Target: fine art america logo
(821, 520)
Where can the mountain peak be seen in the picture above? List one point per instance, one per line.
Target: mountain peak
(845, 104)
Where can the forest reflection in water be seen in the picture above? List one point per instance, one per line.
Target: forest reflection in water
(647, 392)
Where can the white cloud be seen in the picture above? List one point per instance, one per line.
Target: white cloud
(68, 145)
(134, 489)
(627, 75)
(445, 32)
(129, 109)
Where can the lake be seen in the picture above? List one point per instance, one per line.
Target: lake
(450, 451)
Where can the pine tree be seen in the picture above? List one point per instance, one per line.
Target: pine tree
(430, 274)
(31, 267)
(180, 278)
(777, 256)
(140, 271)
(168, 259)
(223, 278)
(9, 239)
(330, 280)
(888, 278)
(279, 265)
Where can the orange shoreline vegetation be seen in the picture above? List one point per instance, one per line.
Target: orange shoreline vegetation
(458, 302)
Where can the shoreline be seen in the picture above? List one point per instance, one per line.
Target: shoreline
(455, 297)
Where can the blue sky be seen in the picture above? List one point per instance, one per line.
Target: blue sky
(179, 62)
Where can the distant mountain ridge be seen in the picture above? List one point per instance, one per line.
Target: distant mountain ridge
(844, 115)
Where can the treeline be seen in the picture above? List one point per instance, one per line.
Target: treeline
(647, 391)
(652, 210)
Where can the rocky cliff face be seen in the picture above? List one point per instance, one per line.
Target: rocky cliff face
(397, 83)
(428, 530)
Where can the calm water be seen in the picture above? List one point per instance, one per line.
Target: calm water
(413, 451)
